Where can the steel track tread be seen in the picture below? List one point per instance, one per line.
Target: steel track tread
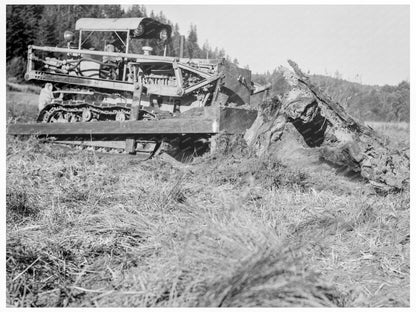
(73, 111)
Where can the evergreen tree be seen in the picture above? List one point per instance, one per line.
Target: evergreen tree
(206, 50)
(135, 11)
(162, 18)
(48, 34)
(112, 11)
(192, 43)
(22, 24)
(175, 40)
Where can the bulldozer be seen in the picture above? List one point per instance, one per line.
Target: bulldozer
(100, 91)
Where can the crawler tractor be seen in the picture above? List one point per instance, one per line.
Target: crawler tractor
(106, 89)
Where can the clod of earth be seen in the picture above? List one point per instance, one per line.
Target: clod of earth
(324, 124)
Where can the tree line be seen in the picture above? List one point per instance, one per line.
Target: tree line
(370, 103)
(46, 24)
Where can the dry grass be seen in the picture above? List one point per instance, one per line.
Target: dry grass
(385, 126)
(13, 85)
(21, 107)
(90, 230)
(85, 230)
(397, 134)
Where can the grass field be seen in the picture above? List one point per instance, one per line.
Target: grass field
(22, 103)
(397, 133)
(87, 229)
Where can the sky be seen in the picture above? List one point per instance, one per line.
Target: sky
(364, 43)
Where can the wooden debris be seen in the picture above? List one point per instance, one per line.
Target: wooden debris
(325, 124)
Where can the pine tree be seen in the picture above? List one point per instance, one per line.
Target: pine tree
(206, 50)
(175, 41)
(48, 34)
(162, 18)
(135, 11)
(192, 43)
(112, 11)
(22, 25)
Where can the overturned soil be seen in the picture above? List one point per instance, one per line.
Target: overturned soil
(292, 151)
